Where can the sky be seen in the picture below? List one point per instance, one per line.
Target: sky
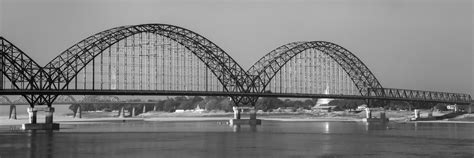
(411, 44)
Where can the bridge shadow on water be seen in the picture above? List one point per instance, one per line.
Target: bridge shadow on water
(40, 143)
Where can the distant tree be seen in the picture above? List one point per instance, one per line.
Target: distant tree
(197, 99)
(344, 104)
(170, 105)
(186, 105)
(441, 107)
(268, 103)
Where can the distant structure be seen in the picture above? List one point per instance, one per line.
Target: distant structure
(198, 109)
(323, 103)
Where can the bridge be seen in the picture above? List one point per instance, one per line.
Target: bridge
(162, 59)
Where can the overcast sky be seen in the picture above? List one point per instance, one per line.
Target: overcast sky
(413, 44)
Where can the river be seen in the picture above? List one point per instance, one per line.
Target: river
(213, 139)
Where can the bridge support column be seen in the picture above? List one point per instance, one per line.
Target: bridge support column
(237, 117)
(154, 108)
(144, 109)
(382, 115)
(12, 115)
(48, 125)
(417, 113)
(78, 113)
(368, 113)
(121, 113)
(32, 115)
(369, 119)
(49, 115)
(236, 112)
(253, 114)
(133, 112)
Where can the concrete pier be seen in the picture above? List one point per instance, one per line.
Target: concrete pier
(133, 112)
(417, 113)
(368, 113)
(32, 115)
(121, 113)
(369, 119)
(144, 109)
(236, 112)
(12, 115)
(154, 108)
(237, 116)
(78, 113)
(418, 117)
(33, 125)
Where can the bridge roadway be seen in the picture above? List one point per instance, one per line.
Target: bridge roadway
(78, 102)
(463, 101)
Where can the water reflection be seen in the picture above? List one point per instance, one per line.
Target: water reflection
(374, 126)
(238, 128)
(326, 127)
(40, 143)
(271, 139)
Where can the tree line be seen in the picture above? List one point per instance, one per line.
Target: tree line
(218, 103)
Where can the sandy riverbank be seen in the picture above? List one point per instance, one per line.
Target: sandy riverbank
(100, 117)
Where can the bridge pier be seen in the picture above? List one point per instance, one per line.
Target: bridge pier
(133, 112)
(369, 119)
(368, 113)
(78, 113)
(417, 113)
(121, 113)
(32, 115)
(236, 112)
(237, 116)
(33, 125)
(144, 109)
(12, 115)
(154, 108)
(418, 117)
(49, 115)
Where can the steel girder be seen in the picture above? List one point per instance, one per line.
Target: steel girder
(67, 65)
(421, 95)
(267, 67)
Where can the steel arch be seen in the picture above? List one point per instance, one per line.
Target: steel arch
(266, 68)
(67, 65)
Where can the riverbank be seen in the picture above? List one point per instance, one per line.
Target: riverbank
(99, 117)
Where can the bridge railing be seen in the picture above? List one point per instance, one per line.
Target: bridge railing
(420, 95)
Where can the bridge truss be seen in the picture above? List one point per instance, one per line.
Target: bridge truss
(161, 59)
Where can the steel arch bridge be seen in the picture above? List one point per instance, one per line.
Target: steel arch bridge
(162, 59)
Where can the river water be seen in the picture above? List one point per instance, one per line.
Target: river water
(213, 139)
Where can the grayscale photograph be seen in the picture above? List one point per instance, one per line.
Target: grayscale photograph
(236, 78)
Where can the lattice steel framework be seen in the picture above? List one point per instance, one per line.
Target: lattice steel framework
(153, 57)
(61, 71)
(420, 95)
(271, 64)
